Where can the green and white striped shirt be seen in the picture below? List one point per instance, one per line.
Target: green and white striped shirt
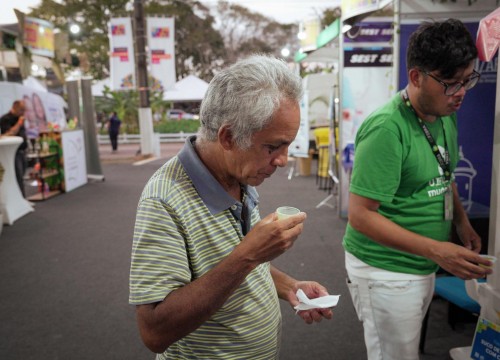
(186, 224)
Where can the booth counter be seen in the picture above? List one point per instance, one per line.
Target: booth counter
(12, 203)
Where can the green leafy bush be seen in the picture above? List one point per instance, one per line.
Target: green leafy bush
(176, 126)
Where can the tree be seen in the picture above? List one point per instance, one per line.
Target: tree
(246, 32)
(204, 43)
(199, 47)
(92, 16)
(330, 15)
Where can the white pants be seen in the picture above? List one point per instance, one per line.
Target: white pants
(392, 313)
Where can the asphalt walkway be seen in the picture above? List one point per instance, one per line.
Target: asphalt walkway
(64, 272)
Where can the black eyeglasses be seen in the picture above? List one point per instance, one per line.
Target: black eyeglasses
(452, 89)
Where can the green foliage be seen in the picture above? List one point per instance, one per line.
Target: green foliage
(176, 126)
(330, 15)
(125, 103)
(261, 34)
(199, 48)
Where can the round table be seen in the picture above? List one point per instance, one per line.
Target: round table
(12, 203)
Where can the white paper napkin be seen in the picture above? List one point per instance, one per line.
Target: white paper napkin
(322, 302)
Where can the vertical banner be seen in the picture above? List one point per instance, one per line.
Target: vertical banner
(300, 146)
(75, 168)
(122, 59)
(161, 53)
(367, 84)
(88, 125)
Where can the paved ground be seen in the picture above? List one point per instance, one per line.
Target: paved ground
(129, 152)
(64, 273)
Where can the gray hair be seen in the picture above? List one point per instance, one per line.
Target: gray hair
(245, 97)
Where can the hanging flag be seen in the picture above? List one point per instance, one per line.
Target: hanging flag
(488, 36)
(300, 145)
(122, 60)
(161, 53)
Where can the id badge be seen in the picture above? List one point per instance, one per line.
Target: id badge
(448, 204)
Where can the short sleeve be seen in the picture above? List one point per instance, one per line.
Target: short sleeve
(159, 257)
(377, 164)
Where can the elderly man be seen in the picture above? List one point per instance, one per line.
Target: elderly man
(12, 124)
(200, 274)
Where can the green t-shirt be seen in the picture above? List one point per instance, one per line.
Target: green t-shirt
(394, 164)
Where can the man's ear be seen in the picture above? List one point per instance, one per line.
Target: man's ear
(414, 77)
(226, 137)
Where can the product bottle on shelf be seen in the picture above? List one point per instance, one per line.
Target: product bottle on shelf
(45, 144)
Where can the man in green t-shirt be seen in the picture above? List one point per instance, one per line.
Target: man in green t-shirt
(403, 198)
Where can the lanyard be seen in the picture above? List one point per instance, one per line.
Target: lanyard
(444, 163)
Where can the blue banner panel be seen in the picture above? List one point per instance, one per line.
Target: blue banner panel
(370, 31)
(368, 57)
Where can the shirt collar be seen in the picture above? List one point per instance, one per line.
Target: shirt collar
(215, 197)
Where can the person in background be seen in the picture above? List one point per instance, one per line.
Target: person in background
(403, 198)
(114, 129)
(30, 122)
(39, 110)
(201, 277)
(12, 124)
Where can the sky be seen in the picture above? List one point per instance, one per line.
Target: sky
(284, 11)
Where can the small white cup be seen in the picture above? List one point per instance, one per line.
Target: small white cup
(284, 212)
(491, 258)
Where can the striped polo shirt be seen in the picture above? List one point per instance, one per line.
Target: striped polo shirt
(186, 224)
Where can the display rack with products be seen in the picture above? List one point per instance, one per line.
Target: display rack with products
(47, 169)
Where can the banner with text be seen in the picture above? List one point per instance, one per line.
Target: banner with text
(122, 61)
(161, 53)
(38, 36)
(367, 85)
(300, 146)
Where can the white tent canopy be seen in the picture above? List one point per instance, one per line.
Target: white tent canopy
(34, 84)
(324, 54)
(98, 87)
(191, 88)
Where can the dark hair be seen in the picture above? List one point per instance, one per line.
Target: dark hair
(443, 46)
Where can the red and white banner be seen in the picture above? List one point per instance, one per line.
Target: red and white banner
(488, 36)
(161, 53)
(122, 59)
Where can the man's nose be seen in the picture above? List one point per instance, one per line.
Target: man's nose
(461, 92)
(282, 159)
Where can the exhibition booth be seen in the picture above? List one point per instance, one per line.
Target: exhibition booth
(373, 68)
(55, 153)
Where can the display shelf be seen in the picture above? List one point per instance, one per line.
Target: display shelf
(40, 196)
(42, 173)
(46, 173)
(41, 155)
